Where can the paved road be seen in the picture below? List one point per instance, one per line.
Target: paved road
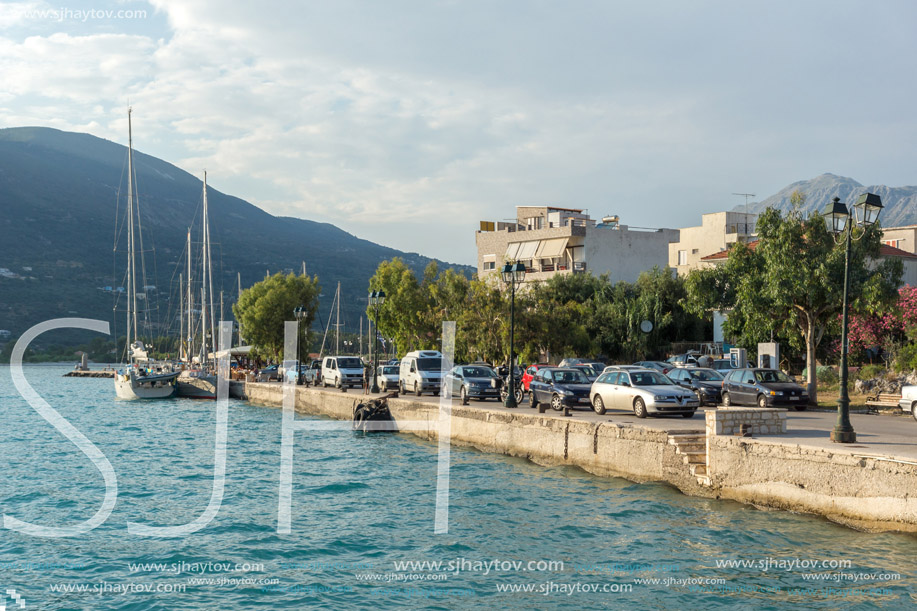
(877, 435)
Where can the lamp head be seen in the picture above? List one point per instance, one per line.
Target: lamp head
(836, 216)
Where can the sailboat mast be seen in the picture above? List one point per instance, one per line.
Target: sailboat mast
(132, 271)
(204, 280)
(337, 348)
(190, 336)
(209, 266)
(181, 318)
(238, 296)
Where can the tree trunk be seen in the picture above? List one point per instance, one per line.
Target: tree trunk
(811, 366)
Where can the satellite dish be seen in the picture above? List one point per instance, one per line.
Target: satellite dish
(646, 326)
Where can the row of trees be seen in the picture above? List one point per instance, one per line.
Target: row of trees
(572, 314)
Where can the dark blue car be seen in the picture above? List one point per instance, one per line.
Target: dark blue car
(559, 387)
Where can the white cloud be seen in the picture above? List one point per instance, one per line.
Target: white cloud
(410, 121)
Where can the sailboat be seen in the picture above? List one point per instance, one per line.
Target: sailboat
(141, 377)
(198, 380)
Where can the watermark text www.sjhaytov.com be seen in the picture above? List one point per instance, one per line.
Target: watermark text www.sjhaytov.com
(83, 15)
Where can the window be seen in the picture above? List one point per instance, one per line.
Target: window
(894, 243)
(490, 265)
(682, 257)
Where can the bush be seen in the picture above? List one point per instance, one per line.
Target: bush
(868, 372)
(906, 359)
(824, 375)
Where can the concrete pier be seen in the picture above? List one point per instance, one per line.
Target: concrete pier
(867, 492)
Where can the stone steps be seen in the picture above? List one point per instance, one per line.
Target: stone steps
(693, 448)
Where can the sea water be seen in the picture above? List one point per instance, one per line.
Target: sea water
(520, 536)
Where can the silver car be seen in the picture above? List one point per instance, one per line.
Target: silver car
(643, 390)
(387, 376)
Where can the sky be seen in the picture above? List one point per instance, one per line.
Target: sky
(406, 123)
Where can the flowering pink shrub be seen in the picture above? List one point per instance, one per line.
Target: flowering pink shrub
(868, 331)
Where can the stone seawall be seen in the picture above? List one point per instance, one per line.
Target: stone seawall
(866, 493)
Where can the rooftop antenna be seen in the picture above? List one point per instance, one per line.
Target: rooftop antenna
(746, 196)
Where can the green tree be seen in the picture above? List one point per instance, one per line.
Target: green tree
(263, 309)
(793, 280)
(404, 316)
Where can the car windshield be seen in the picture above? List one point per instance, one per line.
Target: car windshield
(430, 364)
(705, 375)
(589, 371)
(389, 370)
(573, 376)
(649, 378)
(350, 363)
(772, 376)
(477, 372)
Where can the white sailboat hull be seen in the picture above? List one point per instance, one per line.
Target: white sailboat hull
(129, 385)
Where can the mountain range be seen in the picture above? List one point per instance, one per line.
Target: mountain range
(899, 203)
(60, 213)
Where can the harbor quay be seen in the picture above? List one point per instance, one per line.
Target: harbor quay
(765, 457)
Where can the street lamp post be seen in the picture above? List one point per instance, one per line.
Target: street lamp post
(513, 275)
(300, 313)
(840, 221)
(376, 299)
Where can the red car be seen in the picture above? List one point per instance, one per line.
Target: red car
(530, 373)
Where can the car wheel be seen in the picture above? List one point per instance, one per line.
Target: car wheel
(519, 396)
(464, 394)
(337, 382)
(762, 401)
(417, 390)
(726, 400)
(687, 415)
(556, 403)
(639, 408)
(799, 408)
(914, 410)
(598, 405)
(401, 388)
(533, 402)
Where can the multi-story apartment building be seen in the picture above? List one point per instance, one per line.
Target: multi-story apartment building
(552, 240)
(717, 232)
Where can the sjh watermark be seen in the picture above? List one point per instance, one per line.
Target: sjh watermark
(289, 428)
(15, 599)
(66, 13)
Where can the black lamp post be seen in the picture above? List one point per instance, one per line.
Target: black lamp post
(300, 313)
(513, 275)
(840, 222)
(376, 299)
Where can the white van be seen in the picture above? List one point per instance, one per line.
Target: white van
(340, 371)
(421, 372)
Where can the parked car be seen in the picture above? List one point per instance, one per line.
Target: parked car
(622, 368)
(683, 360)
(657, 365)
(589, 370)
(474, 382)
(269, 373)
(387, 376)
(570, 362)
(420, 372)
(342, 371)
(559, 387)
(706, 383)
(908, 402)
(764, 388)
(645, 391)
(725, 365)
(530, 372)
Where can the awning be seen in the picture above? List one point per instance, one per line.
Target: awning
(511, 249)
(550, 249)
(527, 249)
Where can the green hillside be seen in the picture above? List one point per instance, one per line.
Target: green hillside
(59, 203)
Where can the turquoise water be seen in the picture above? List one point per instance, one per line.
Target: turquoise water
(361, 504)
